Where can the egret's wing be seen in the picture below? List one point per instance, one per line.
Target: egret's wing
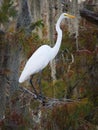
(39, 59)
(36, 62)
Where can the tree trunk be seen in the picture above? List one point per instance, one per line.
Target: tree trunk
(24, 17)
(9, 68)
(93, 82)
(2, 78)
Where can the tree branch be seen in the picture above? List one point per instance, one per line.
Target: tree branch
(89, 15)
(49, 102)
(28, 91)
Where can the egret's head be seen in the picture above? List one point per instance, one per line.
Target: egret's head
(65, 15)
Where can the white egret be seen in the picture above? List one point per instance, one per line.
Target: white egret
(43, 55)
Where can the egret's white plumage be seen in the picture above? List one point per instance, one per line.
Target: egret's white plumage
(44, 54)
(36, 62)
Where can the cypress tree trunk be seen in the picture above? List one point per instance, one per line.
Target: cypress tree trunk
(93, 82)
(2, 79)
(24, 16)
(9, 68)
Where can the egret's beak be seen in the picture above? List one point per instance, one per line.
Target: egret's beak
(70, 16)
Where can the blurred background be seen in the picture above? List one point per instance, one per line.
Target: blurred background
(70, 81)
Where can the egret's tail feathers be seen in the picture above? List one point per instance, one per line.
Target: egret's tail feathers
(23, 78)
(20, 81)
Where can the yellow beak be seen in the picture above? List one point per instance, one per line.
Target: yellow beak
(70, 16)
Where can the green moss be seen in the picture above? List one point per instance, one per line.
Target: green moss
(7, 10)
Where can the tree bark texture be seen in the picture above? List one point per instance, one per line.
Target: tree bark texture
(93, 82)
(24, 17)
(9, 68)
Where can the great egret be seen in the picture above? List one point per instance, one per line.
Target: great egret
(43, 55)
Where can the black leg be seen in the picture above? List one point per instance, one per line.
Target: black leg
(39, 82)
(41, 96)
(33, 86)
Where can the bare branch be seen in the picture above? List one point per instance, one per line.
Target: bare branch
(28, 91)
(89, 15)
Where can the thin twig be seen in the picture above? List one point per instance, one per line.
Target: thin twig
(28, 91)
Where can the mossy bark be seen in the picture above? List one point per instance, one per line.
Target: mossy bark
(9, 68)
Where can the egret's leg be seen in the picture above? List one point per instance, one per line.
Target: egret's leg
(41, 96)
(39, 82)
(33, 86)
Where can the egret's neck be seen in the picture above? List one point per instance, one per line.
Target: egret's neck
(59, 38)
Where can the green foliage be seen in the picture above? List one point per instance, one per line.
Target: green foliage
(67, 116)
(29, 43)
(56, 90)
(32, 41)
(39, 23)
(7, 10)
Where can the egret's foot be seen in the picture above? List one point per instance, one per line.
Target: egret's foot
(42, 98)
